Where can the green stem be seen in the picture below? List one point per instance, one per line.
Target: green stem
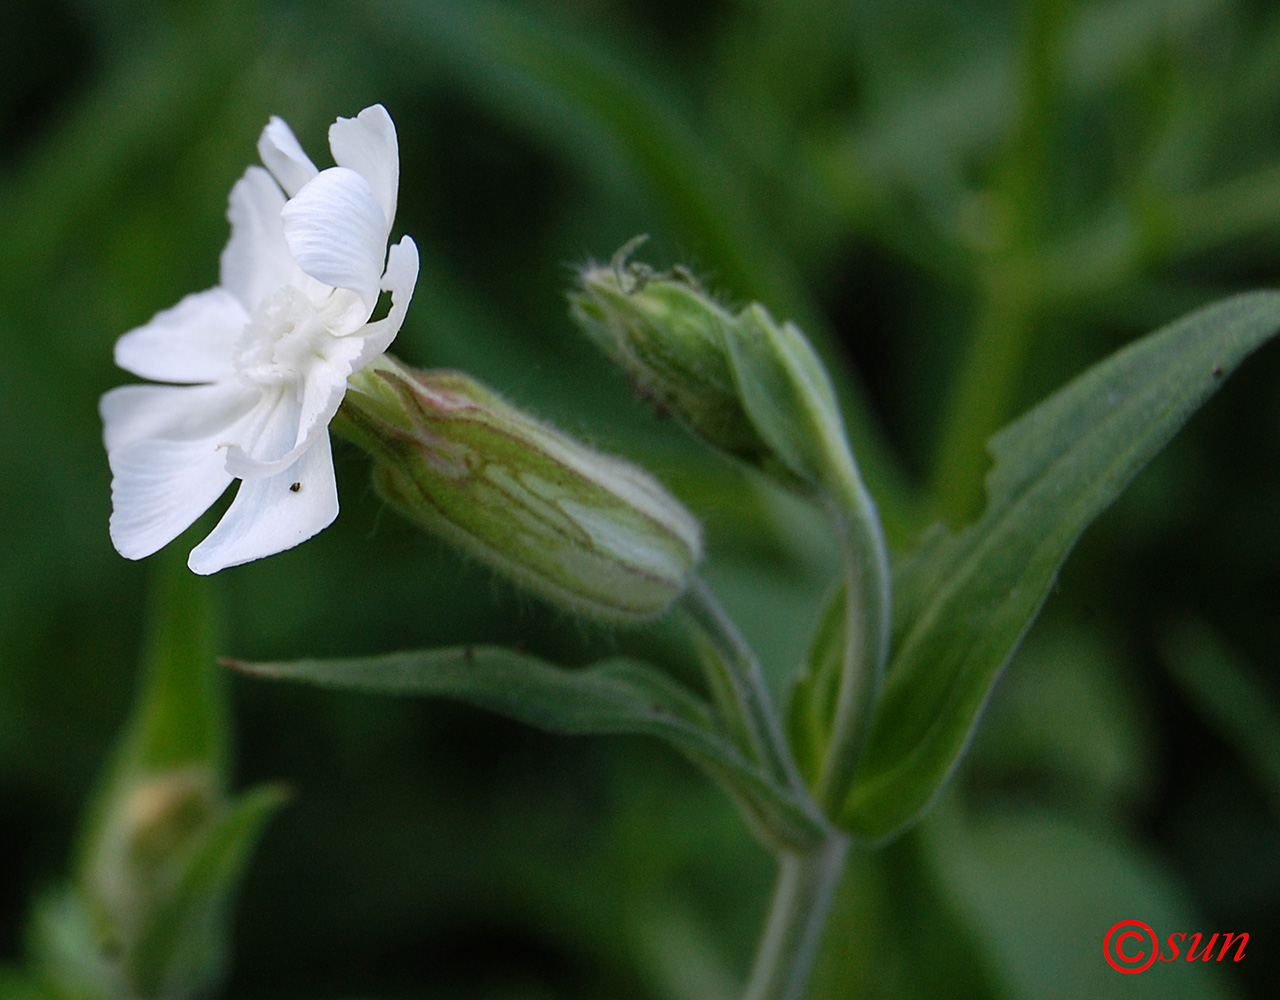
(741, 693)
(983, 392)
(868, 609)
(797, 917)
(806, 882)
(993, 364)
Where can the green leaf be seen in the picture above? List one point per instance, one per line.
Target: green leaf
(963, 602)
(175, 947)
(64, 948)
(1040, 892)
(788, 396)
(811, 707)
(181, 945)
(613, 696)
(1232, 699)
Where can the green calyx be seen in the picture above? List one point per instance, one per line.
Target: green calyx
(587, 531)
(667, 334)
(744, 382)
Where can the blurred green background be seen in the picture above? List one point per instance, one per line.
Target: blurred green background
(963, 202)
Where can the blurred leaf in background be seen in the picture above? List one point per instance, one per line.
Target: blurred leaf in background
(963, 203)
(161, 846)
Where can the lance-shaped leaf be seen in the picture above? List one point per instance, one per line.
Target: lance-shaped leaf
(613, 696)
(963, 602)
(811, 704)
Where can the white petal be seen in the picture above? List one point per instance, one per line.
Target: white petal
(284, 157)
(337, 233)
(132, 413)
(296, 423)
(274, 514)
(192, 342)
(158, 488)
(269, 438)
(256, 260)
(326, 384)
(367, 144)
(344, 311)
(400, 280)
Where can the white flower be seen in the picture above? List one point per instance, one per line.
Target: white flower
(262, 360)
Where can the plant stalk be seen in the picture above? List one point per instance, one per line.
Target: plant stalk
(865, 558)
(797, 917)
(747, 702)
(806, 882)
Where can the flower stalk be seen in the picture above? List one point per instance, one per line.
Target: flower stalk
(754, 388)
(741, 694)
(868, 609)
(797, 918)
(806, 880)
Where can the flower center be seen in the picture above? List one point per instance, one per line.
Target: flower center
(283, 340)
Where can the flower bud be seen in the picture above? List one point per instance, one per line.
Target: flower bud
(746, 383)
(583, 529)
(146, 840)
(667, 334)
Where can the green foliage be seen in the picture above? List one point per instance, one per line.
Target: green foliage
(1233, 700)
(964, 601)
(162, 848)
(15, 985)
(1042, 937)
(962, 205)
(811, 706)
(615, 696)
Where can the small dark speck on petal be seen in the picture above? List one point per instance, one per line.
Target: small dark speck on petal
(1217, 371)
(295, 487)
